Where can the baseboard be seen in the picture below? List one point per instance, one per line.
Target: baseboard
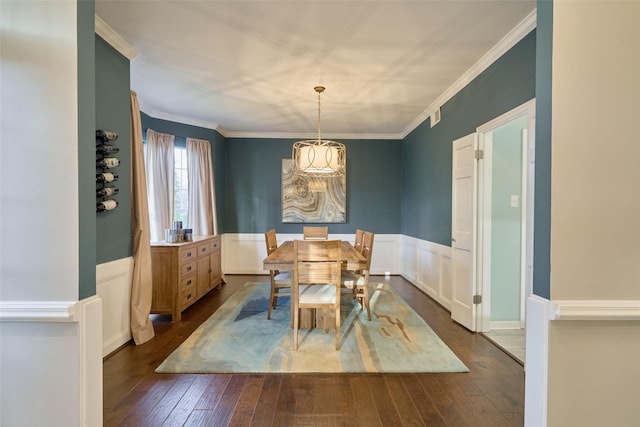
(505, 324)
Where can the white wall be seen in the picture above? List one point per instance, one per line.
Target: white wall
(594, 375)
(50, 373)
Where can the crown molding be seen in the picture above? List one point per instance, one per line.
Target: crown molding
(114, 39)
(162, 115)
(301, 136)
(507, 42)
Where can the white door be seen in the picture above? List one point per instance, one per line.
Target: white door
(464, 196)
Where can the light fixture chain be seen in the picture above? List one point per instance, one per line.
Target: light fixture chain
(319, 117)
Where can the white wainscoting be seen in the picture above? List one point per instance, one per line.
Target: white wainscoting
(428, 266)
(58, 334)
(537, 356)
(242, 253)
(113, 285)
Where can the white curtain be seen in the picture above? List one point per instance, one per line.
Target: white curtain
(202, 201)
(159, 168)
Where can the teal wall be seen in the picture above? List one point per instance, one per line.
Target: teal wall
(86, 149)
(506, 221)
(253, 191)
(113, 112)
(542, 209)
(182, 132)
(426, 152)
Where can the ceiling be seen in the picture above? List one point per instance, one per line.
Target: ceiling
(248, 68)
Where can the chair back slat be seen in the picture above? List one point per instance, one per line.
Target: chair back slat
(318, 250)
(271, 241)
(367, 247)
(357, 243)
(315, 233)
(318, 271)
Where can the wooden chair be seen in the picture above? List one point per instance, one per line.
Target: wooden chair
(280, 280)
(357, 283)
(316, 280)
(315, 233)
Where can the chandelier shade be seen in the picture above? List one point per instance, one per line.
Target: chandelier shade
(319, 156)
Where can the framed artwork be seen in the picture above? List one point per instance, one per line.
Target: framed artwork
(312, 199)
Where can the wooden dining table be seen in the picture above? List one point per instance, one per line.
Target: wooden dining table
(282, 259)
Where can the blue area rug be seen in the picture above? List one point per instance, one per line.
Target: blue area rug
(238, 338)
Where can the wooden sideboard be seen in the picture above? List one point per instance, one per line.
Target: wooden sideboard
(183, 273)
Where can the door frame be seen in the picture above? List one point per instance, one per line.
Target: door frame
(483, 249)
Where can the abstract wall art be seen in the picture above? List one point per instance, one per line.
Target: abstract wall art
(312, 199)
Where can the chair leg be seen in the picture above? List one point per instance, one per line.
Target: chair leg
(365, 299)
(271, 302)
(296, 322)
(338, 327)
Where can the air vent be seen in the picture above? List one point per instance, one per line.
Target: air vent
(435, 117)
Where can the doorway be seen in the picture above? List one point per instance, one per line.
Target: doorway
(505, 226)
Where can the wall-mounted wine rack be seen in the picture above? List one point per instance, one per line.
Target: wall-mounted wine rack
(105, 174)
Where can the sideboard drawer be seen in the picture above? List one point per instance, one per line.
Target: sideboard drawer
(188, 253)
(188, 282)
(188, 297)
(187, 268)
(205, 248)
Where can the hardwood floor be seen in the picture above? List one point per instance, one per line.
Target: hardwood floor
(491, 394)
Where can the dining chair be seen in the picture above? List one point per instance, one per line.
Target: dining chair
(357, 283)
(316, 280)
(280, 280)
(315, 233)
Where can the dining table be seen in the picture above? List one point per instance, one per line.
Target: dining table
(283, 258)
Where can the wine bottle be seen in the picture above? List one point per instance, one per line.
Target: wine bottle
(106, 177)
(106, 205)
(107, 191)
(106, 135)
(107, 163)
(106, 149)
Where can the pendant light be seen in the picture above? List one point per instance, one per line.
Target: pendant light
(316, 157)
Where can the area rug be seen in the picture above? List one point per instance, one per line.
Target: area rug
(238, 338)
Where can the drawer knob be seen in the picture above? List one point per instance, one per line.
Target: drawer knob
(189, 268)
(188, 282)
(188, 253)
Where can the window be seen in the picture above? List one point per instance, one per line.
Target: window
(179, 180)
(180, 185)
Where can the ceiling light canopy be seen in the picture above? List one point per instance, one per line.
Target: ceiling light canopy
(319, 156)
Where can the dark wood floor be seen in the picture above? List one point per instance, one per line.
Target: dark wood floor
(491, 394)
